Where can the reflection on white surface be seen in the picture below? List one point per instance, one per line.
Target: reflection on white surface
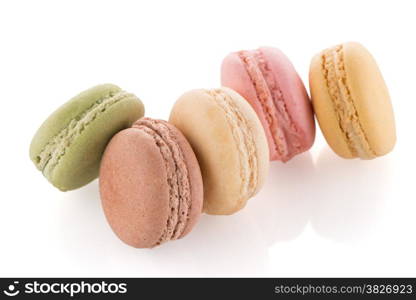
(81, 228)
(229, 245)
(283, 207)
(348, 195)
(339, 198)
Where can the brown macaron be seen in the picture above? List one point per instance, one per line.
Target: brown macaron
(150, 184)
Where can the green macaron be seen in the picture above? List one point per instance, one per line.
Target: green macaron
(68, 146)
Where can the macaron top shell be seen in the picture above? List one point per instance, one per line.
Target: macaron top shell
(352, 102)
(229, 143)
(68, 146)
(268, 81)
(150, 184)
(69, 111)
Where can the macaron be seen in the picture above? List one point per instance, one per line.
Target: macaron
(351, 102)
(229, 143)
(150, 184)
(268, 81)
(68, 146)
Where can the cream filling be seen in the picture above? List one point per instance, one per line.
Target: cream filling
(285, 134)
(50, 155)
(289, 135)
(243, 136)
(263, 93)
(177, 176)
(336, 80)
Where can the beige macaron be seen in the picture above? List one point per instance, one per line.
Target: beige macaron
(351, 102)
(229, 143)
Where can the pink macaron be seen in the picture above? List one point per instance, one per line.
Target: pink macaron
(268, 81)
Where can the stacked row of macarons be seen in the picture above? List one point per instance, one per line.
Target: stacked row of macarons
(156, 177)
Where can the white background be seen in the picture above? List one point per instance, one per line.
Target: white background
(318, 215)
